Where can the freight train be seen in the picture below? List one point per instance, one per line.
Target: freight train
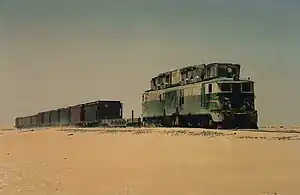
(206, 95)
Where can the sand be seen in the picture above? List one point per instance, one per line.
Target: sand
(149, 162)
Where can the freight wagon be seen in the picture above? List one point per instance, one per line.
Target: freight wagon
(33, 120)
(90, 113)
(77, 115)
(96, 111)
(110, 110)
(64, 116)
(54, 117)
(23, 122)
(46, 119)
(26, 122)
(18, 122)
(39, 120)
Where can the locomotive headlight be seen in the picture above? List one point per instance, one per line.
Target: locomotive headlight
(229, 70)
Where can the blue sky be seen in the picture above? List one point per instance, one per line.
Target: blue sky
(56, 53)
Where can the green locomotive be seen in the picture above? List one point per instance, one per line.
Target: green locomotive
(207, 95)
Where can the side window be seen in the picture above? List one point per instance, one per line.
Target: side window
(246, 87)
(184, 76)
(181, 100)
(210, 88)
(181, 97)
(225, 87)
(202, 95)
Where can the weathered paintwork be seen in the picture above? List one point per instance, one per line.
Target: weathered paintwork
(220, 98)
(194, 74)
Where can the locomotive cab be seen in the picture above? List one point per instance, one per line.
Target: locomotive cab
(236, 100)
(237, 95)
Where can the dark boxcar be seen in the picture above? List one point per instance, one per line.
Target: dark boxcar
(17, 122)
(39, 119)
(110, 110)
(46, 118)
(64, 116)
(77, 114)
(102, 109)
(33, 121)
(21, 122)
(25, 122)
(90, 112)
(54, 117)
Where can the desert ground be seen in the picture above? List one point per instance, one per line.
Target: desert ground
(149, 162)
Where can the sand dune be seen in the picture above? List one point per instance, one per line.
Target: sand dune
(149, 161)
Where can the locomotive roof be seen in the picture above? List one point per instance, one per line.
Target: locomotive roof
(215, 80)
(189, 67)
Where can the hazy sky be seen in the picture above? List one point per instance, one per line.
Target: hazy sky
(63, 52)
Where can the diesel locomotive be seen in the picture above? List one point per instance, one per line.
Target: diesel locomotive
(207, 96)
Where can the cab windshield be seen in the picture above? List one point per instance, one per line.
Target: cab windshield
(241, 87)
(225, 86)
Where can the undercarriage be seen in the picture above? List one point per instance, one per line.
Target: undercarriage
(229, 121)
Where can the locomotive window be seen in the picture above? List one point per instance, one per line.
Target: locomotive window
(225, 87)
(209, 88)
(246, 87)
(181, 100)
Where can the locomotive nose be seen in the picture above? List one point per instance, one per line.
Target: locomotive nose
(243, 121)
